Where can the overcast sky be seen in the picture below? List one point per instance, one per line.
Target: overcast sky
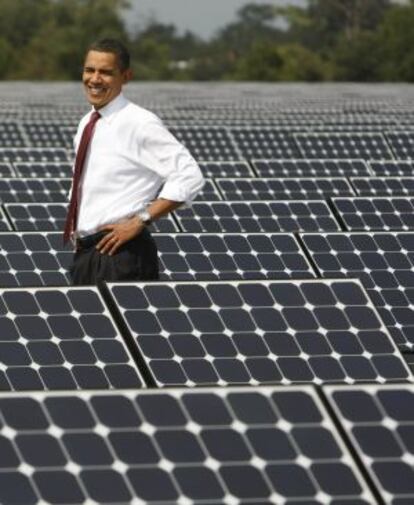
(202, 17)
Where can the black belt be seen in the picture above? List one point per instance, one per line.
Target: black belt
(89, 240)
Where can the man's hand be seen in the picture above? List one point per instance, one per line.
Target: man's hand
(118, 234)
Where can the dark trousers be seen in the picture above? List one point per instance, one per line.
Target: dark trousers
(136, 260)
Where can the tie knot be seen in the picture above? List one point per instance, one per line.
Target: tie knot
(94, 117)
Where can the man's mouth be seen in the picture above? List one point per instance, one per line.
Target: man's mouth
(95, 91)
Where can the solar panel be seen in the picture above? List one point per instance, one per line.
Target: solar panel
(231, 256)
(307, 168)
(253, 217)
(256, 446)
(392, 168)
(402, 144)
(376, 213)
(45, 169)
(381, 186)
(226, 169)
(6, 170)
(246, 332)
(11, 134)
(33, 154)
(61, 338)
(284, 189)
(43, 134)
(379, 422)
(52, 216)
(260, 142)
(4, 221)
(365, 146)
(34, 259)
(385, 264)
(207, 143)
(34, 190)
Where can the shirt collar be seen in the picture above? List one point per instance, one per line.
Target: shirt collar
(109, 111)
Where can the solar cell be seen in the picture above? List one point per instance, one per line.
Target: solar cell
(52, 216)
(46, 169)
(284, 188)
(402, 144)
(61, 338)
(207, 143)
(392, 168)
(253, 217)
(257, 446)
(6, 170)
(33, 154)
(226, 169)
(260, 142)
(230, 256)
(379, 422)
(367, 146)
(382, 186)
(246, 332)
(375, 213)
(385, 264)
(307, 168)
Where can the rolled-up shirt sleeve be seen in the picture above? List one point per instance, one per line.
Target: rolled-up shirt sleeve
(171, 160)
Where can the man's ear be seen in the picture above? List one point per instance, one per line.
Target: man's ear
(127, 75)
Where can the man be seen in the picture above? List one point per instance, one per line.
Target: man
(129, 171)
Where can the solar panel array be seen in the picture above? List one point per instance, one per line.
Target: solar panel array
(272, 362)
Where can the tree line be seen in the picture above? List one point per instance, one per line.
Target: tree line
(325, 40)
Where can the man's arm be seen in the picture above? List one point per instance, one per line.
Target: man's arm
(120, 233)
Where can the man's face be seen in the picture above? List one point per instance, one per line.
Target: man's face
(102, 78)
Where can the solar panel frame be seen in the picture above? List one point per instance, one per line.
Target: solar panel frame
(188, 454)
(6, 170)
(199, 343)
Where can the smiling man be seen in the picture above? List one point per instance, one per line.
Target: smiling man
(129, 171)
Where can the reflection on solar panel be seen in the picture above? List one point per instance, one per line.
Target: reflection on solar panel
(343, 145)
(47, 169)
(393, 186)
(61, 339)
(261, 446)
(207, 143)
(51, 217)
(231, 256)
(6, 170)
(379, 422)
(4, 221)
(402, 144)
(226, 169)
(209, 192)
(255, 143)
(392, 168)
(307, 168)
(385, 264)
(33, 259)
(33, 154)
(392, 213)
(11, 135)
(252, 217)
(284, 189)
(34, 190)
(258, 332)
(43, 134)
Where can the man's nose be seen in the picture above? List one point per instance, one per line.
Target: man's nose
(96, 77)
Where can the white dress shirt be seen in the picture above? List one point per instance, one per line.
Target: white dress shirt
(131, 160)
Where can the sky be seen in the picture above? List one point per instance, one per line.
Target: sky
(202, 17)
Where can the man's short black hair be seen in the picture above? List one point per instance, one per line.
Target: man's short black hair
(113, 46)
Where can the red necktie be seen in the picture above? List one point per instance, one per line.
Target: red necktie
(71, 216)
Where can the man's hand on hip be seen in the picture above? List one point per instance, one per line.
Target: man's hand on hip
(118, 234)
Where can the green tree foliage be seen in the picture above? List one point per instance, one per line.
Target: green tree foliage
(347, 40)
